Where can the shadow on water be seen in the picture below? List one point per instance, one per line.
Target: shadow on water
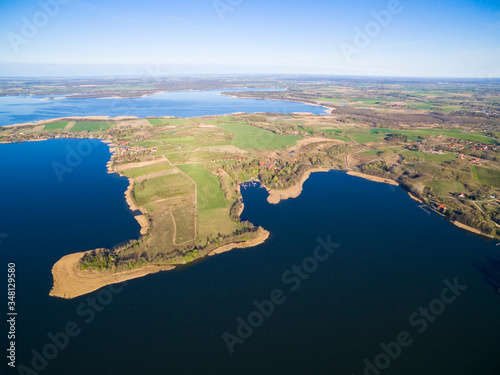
(490, 270)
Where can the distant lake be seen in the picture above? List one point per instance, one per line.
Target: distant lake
(392, 259)
(23, 109)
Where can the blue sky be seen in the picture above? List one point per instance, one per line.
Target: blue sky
(459, 38)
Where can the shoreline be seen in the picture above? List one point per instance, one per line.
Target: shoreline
(71, 282)
(328, 110)
(260, 239)
(141, 219)
(470, 229)
(276, 196)
(415, 198)
(373, 178)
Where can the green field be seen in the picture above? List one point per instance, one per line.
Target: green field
(449, 133)
(365, 138)
(332, 100)
(422, 105)
(432, 157)
(215, 221)
(138, 171)
(157, 121)
(445, 187)
(184, 217)
(371, 152)
(486, 176)
(56, 125)
(210, 195)
(177, 139)
(156, 188)
(355, 134)
(337, 134)
(91, 126)
(253, 138)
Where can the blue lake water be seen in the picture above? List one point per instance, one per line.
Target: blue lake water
(23, 109)
(392, 259)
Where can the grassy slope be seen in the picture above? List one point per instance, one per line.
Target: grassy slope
(210, 195)
(56, 125)
(486, 176)
(90, 126)
(253, 138)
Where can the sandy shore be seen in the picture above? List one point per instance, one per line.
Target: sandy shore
(415, 198)
(261, 238)
(470, 229)
(72, 118)
(373, 178)
(275, 195)
(71, 282)
(328, 110)
(141, 219)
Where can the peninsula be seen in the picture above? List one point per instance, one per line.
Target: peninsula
(185, 174)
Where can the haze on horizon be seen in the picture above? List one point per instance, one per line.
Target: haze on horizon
(361, 37)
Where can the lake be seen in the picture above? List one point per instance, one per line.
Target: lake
(389, 259)
(24, 109)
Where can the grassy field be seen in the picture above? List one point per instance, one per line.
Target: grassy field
(210, 195)
(371, 152)
(445, 187)
(177, 139)
(365, 138)
(432, 157)
(156, 188)
(93, 126)
(215, 221)
(157, 121)
(56, 125)
(486, 176)
(449, 133)
(138, 171)
(184, 217)
(355, 134)
(253, 138)
(337, 134)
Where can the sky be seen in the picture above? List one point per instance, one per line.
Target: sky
(438, 38)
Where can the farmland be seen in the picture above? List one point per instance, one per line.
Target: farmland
(90, 126)
(210, 195)
(253, 138)
(486, 176)
(56, 125)
(186, 172)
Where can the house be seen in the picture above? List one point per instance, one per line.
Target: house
(440, 205)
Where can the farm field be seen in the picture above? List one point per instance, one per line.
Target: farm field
(449, 133)
(432, 157)
(138, 171)
(56, 125)
(445, 187)
(252, 138)
(185, 223)
(486, 176)
(162, 187)
(210, 194)
(93, 126)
